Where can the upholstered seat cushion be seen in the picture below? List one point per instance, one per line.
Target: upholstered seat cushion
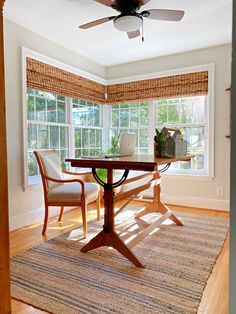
(71, 193)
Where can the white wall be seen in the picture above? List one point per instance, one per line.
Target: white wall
(21, 202)
(26, 207)
(198, 192)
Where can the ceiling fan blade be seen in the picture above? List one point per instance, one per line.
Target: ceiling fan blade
(162, 14)
(134, 34)
(97, 22)
(143, 2)
(108, 3)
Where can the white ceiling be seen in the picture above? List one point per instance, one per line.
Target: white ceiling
(206, 23)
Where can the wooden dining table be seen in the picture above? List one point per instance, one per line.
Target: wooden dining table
(148, 163)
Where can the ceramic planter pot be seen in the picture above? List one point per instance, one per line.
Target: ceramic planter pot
(156, 150)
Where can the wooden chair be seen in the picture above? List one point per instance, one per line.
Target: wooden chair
(62, 192)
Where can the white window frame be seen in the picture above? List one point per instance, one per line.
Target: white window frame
(25, 52)
(132, 127)
(106, 108)
(209, 125)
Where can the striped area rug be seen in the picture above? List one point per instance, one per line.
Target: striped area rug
(58, 278)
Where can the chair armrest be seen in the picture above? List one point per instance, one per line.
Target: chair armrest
(68, 181)
(76, 173)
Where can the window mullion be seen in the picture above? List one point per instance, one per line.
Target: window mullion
(151, 125)
(69, 117)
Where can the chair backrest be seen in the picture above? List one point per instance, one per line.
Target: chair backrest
(50, 166)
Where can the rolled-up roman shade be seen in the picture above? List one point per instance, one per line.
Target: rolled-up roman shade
(183, 85)
(49, 78)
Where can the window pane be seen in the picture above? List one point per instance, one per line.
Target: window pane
(77, 138)
(85, 138)
(186, 112)
(63, 137)
(32, 165)
(199, 110)
(32, 136)
(161, 115)
(115, 118)
(61, 112)
(143, 138)
(51, 111)
(30, 111)
(144, 115)
(96, 117)
(30, 91)
(134, 117)
(40, 109)
(197, 138)
(43, 138)
(173, 114)
(46, 110)
(90, 116)
(61, 98)
(99, 138)
(54, 137)
(92, 138)
(78, 153)
(63, 156)
(124, 118)
(198, 161)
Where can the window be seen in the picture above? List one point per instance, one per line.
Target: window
(73, 127)
(132, 118)
(87, 124)
(189, 115)
(47, 126)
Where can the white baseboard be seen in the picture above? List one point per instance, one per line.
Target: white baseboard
(32, 217)
(37, 215)
(197, 202)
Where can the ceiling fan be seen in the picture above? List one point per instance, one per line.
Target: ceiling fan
(131, 21)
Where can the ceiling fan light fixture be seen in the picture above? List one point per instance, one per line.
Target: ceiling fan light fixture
(128, 23)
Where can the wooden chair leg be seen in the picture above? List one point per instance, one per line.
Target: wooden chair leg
(61, 213)
(84, 216)
(45, 220)
(98, 205)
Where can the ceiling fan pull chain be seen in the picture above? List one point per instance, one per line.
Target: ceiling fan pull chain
(142, 33)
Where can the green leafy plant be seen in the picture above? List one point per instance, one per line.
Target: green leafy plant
(115, 143)
(160, 140)
(114, 149)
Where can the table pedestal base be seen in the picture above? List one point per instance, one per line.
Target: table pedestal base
(111, 239)
(163, 209)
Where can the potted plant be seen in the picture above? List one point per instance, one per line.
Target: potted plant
(159, 143)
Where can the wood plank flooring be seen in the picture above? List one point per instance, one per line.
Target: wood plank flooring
(215, 297)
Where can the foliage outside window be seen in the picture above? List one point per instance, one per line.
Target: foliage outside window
(72, 127)
(47, 126)
(189, 115)
(87, 128)
(75, 127)
(132, 118)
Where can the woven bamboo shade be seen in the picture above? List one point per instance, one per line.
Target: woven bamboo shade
(190, 84)
(48, 78)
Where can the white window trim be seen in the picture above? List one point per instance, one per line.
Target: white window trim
(209, 128)
(106, 108)
(25, 52)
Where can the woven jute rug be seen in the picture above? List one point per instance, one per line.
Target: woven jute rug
(58, 278)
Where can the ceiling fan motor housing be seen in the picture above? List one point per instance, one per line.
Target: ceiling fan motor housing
(128, 23)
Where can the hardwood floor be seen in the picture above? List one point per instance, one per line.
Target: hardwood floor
(215, 297)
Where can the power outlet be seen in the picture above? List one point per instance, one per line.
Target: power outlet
(220, 190)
